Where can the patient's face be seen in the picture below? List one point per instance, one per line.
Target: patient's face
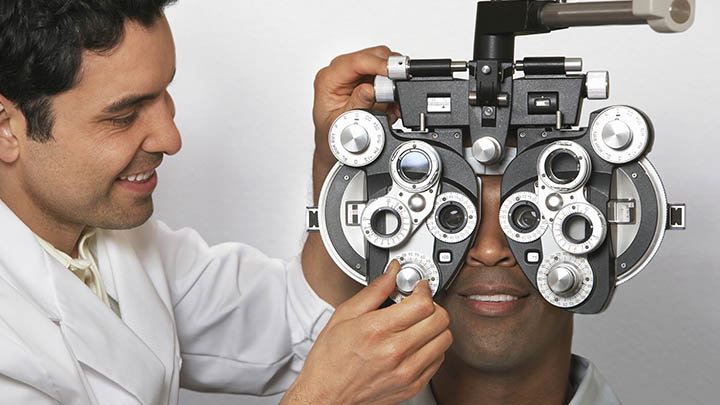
(498, 320)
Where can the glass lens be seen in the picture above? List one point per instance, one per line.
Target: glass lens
(525, 217)
(562, 166)
(452, 218)
(414, 166)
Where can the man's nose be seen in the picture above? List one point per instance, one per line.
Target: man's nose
(164, 136)
(491, 247)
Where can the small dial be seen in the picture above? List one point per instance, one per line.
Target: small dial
(620, 134)
(453, 219)
(356, 138)
(565, 280)
(579, 228)
(521, 218)
(414, 266)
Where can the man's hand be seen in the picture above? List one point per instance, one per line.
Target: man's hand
(365, 355)
(344, 85)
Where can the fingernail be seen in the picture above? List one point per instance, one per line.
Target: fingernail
(422, 284)
(367, 96)
(393, 268)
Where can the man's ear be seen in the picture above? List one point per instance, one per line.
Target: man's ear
(9, 146)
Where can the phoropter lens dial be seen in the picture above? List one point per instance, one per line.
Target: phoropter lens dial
(524, 216)
(453, 219)
(521, 219)
(385, 222)
(415, 166)
(579, 228)
(564, 166)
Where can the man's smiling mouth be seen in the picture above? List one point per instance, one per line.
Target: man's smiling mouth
(138, 177)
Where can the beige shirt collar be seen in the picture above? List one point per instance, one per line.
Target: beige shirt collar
(84, 266)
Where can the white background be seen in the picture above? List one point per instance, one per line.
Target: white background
(244, 96)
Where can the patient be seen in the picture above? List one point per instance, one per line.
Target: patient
(510, 346)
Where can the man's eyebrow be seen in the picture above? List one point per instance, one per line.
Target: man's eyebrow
(127, 102)
(132, 100)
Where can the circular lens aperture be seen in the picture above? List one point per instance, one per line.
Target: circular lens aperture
(520, 218)
(577, 228)
(562, 166)
(385, 222)
(414, 166)
(452, 217)
(524, 217)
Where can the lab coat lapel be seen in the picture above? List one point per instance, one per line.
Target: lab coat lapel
(142, 306)
(139, 352)
(30, 315)
(100, 340)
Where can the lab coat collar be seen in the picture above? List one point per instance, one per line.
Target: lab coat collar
(133, 352)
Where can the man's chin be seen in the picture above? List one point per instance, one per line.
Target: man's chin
(127, 218)
(489, 342)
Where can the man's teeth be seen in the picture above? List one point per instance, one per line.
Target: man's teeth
(138, 177)
(493, 298)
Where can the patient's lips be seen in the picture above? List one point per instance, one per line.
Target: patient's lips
(493, 299)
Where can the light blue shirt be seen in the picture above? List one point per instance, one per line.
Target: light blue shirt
(591, 387)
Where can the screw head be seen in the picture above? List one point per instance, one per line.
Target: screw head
(486, 69)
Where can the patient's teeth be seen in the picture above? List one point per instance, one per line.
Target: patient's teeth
(493, 298)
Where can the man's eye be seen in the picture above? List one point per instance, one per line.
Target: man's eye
(125, 121)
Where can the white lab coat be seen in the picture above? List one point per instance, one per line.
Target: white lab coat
(234, 319)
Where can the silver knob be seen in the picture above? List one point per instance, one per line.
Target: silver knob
(617, 135)
(354, 138)
(417, 202)
(573, 64)
(408, 278)
(597, 85)
(562, 279)
(554, 202)
(384, 89)
(487, 150)
(397, 67)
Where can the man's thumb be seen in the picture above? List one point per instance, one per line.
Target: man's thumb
(362, 97)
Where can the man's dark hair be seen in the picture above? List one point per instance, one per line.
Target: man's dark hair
(42, 42)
